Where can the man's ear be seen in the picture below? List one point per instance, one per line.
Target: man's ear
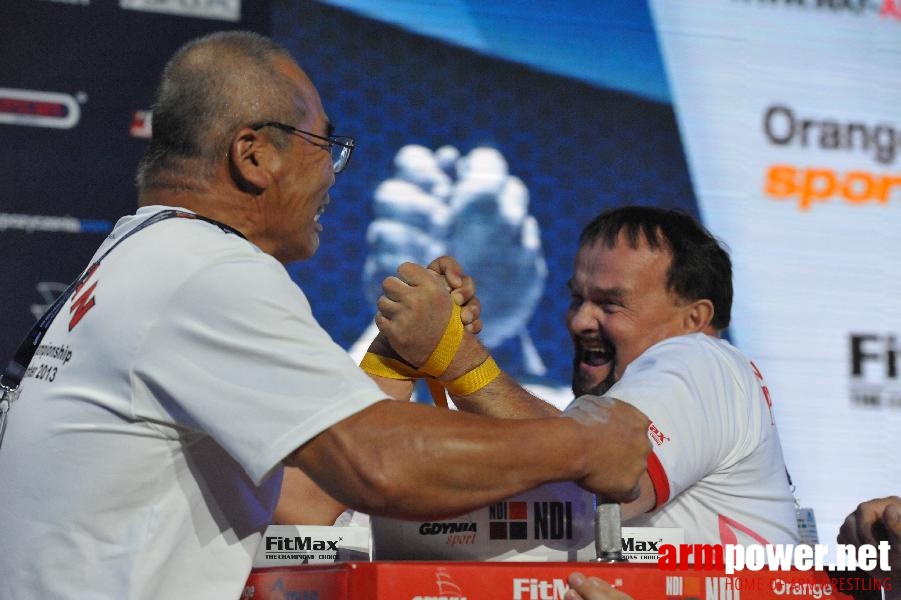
(248, 160)
(697, 315)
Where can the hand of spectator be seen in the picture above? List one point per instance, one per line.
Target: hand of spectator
(874, 521)
(592, 588)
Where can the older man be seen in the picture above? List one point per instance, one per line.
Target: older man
(649, 293)
(149, 463)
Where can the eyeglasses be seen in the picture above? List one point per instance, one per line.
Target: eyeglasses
(339, 146)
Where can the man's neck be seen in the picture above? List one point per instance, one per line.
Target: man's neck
(223, 208)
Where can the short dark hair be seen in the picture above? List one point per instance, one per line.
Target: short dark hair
(211, 87)
(700, 268)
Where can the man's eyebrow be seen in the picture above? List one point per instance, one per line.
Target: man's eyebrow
(616, 293)
(329, 129)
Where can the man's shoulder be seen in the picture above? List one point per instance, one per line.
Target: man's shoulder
(190, 242)
(181, 257)
(698, 350)
(692, 343)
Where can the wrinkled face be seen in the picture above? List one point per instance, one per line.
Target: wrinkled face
(302, 179)
(619, 307)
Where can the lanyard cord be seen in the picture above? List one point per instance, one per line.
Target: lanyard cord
(15, 370)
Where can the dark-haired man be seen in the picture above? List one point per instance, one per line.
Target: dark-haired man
(650, 290)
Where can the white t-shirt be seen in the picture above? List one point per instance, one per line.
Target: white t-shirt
(716, 460)
(143, 457)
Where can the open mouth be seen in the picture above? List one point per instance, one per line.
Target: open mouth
(594, 366)
(595, 355)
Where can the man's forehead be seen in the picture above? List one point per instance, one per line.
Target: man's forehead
(585, 285)
(616, 266)
(636, 249)
(307, 92)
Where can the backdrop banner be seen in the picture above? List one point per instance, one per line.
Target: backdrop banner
(494, 131)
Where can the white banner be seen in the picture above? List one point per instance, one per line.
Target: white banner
(791, 118)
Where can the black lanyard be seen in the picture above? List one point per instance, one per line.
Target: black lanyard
(15, 370)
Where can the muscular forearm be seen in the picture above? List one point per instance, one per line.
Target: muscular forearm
(504, 398)
(412, 461)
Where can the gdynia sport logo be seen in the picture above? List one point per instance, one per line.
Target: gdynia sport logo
(773, 557)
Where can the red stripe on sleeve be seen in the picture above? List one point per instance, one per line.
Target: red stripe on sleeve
(659, 479)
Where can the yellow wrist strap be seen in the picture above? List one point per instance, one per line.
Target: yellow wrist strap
(447, 347)
(390, 368)
(437, 392)
(474, 380)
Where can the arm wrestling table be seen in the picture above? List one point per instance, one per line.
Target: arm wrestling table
(401, 580)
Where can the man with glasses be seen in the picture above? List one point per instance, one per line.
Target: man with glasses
(188, 369)
(339, 146)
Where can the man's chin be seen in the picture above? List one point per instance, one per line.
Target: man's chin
(592, 380)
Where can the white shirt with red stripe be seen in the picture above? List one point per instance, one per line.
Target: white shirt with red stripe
(716, 462)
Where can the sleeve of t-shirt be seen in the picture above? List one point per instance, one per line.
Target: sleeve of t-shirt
(238, 356)
(668, 384)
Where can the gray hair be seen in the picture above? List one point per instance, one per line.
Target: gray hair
(210, 88)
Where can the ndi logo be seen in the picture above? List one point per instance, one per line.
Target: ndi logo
(508, 521)
(683, 587)
(552, 520)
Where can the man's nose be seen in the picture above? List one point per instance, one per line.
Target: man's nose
(585, 317)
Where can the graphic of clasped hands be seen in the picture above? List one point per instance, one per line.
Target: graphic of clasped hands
(469, 207)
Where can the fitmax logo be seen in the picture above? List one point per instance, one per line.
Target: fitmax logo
(300, 544)
(538, 589)
(874, 370)
(631, 545)
(873, 349)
